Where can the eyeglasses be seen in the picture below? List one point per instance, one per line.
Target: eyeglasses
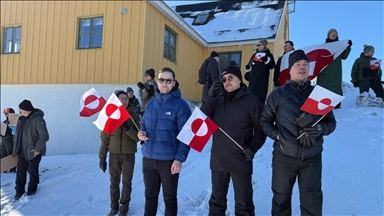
(224, 80)
(146, 75)
(258, 45)
(168, 81)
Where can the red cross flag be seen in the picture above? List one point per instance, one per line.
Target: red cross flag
(258, 57)
(321, 101)
(112, 116)
(197, 130)
(91, 103)
(320, 56)
(375, 64)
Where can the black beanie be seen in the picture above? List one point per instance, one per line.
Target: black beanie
(119, 92)
(235, 70)
(150, 72)
(296, 56)
(26, 105)
(214, 54)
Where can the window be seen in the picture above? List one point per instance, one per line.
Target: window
(90, 33)
(169, 44)
(201, 19)
(236, 56)
(12, 36)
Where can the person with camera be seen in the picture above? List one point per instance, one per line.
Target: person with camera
(148, 89)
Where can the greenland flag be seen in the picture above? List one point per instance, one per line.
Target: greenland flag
(112, 116)
(91, 103)
(321, 101)
(320, 56)
(197, 130)
(375, 64)
(258, 57)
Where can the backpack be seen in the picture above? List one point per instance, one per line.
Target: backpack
(203, 73)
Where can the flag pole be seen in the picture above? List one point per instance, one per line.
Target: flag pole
(312, 126)
(231, 139)
(138, 129)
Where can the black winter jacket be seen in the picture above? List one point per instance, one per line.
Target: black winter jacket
(278, 118)
(239, 118)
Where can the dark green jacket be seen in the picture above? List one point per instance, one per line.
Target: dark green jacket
(121, 141)
(34, 135)
(331, 77)
(361, 69)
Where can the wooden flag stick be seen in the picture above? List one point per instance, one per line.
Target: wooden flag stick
(138, 129)
(231, 139)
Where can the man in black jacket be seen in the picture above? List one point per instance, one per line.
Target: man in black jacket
(237, 112)
(288, 46)
(211, 73)
(282, 121)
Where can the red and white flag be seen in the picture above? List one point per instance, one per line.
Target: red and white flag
(91, 102)
(197, 130)
(321, 101)
(320, 56)
(112, 116)
(258, 56)
(375, 64)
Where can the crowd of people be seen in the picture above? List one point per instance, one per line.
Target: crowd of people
(244, 112)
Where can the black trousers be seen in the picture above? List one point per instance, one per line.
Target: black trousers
(285, 170)
(242, 184)
(157, 173)
(121, 165)
(375, 85)
(32, 167)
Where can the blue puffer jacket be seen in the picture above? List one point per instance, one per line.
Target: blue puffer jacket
(164, 118)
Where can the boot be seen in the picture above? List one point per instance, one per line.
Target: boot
(18, 195)
(113, 212)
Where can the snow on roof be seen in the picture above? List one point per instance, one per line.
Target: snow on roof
(235, 20)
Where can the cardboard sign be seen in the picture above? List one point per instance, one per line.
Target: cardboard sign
(12, 118)
(375, 64)
(3, 129)
(8, 163)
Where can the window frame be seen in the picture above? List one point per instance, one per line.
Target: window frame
(13, 40)
(205, 16)
(167, 45)
(90, 33)
(230, 53)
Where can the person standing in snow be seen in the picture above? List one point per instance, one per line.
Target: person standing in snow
(293, 158)
(288, 46)
(331, 77)
(232, 107)
(211, 73)
(29, 145)
(7, 139)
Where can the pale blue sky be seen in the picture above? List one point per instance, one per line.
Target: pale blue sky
(360, 21)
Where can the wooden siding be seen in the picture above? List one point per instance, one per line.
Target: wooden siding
(49, 37)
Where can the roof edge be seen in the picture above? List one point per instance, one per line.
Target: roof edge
(238, 43)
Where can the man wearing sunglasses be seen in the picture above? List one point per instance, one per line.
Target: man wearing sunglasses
(163, 153)
(232, 107)
(257, 70)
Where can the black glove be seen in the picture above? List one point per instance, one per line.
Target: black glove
(215, 89)
(315, 131)
(140, 85)
(350, 43)
(304, 120)
(264, 58)
(125, 125)
(305, 140)
(248, 154)
(103, 164)
(247, 67)
(356, 84)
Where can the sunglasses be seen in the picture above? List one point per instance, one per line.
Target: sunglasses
(258, 45)
(224, 80)
(146, 75)
(168, 81)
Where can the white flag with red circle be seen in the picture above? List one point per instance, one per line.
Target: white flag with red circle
(112, 116)
(375, 64)
(320, 56)
(258, 56)
(197, 130)
(91, 102)
(321, 101)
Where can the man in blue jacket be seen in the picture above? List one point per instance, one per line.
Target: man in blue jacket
(163, 154)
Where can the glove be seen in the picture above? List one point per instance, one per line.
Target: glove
(248, 154)
(247, 68)
(304, 120)
(140, 85)
(264, 58)
(103, 164)
(125, 125)
(314, 131)
(215, 89)
(305, 140)
(350, 43)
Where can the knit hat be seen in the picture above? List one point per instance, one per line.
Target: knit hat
(296, 56)
(8, 110)
(129, 89)
(214, 54)
(368, 48)
(119, 92)
(330, 31)
(264, 42)
(232, 62)
(235, 70)
(150, 72)
(26, 105)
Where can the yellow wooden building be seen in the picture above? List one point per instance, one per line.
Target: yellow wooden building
(113, 42)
